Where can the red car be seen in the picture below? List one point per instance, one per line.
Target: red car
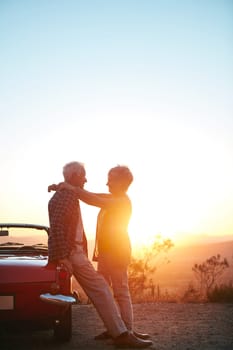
(33, 292)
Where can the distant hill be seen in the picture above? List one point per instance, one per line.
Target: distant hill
(178, 273)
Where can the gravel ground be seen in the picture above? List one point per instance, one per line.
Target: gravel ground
(171, 326)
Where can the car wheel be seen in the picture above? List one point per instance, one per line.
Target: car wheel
(63, 326)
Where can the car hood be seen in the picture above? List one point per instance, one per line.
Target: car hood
(16, 269)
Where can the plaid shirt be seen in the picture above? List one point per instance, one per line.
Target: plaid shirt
(64, 213)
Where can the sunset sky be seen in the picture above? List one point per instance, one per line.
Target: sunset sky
(144, 83)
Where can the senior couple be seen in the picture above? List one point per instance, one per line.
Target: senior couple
(68, 246)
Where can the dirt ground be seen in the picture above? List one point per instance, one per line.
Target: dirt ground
(171, 326)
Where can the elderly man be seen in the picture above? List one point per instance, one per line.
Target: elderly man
(68, 245)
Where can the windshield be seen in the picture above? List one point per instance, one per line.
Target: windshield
(16, 237)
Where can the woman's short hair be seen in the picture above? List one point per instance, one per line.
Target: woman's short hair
(122, 173)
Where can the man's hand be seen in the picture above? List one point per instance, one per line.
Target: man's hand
(66, 262)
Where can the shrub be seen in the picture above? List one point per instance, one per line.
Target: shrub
(191, 295)
(209, 272)
(222, 293)
(141, 270)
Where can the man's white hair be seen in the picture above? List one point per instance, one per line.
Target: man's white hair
(73, 167)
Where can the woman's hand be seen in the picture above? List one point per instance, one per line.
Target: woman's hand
(52, 187)
(60, 186)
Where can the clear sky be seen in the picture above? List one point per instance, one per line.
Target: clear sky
(144, 83)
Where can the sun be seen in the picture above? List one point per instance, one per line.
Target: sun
(172, 221)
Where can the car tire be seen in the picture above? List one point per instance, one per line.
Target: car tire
(63, 326)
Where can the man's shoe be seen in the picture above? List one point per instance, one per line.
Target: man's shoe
(128, 340)
(103, 336)
(143, 336)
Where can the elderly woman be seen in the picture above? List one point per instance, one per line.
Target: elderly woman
(112, 246)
